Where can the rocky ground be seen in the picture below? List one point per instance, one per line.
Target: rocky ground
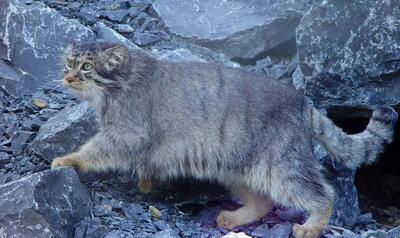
(345, 56)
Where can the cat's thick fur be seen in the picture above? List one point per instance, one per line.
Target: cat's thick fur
(207, 121)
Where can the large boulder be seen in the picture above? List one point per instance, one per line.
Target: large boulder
(65, 132)
(34, 36)
(16, 82)
(241, 30)
(45, 204)
(349, 53)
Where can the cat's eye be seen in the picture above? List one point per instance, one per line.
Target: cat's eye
(87, 67)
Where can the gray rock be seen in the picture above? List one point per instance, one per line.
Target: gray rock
(280, 230)
(45, 204)
(177, 55)
(349, 53)
(19, 141)
(65, 132)
(149, 37)
(17, 82)
(167, 233)
(115, 15)
(239, 29)
(106, 33)
(34, 36)
(123, 28)
(4, 159)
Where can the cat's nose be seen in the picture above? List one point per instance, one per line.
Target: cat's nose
(69, 79)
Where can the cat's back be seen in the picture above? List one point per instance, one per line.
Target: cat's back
(219, 85)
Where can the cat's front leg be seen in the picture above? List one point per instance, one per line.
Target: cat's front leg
(74, 160)
(99, 154)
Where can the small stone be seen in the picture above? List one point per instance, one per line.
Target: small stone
(154, 212)
(133, 211)
(123, 28)
(260, 231)
(4, 159)
(19, 140)
(74, 5)
(236, 235)
(161, 225)
(167, 233)
(40, 103)
(280, 230)
(116, 15)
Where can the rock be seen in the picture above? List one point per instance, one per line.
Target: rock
(133, 211)
(154, 212)
(177, 55)
(236, 235)
(349, 53)
(17, 82)
(45, 204)
(280, 230)
(395, 232)
(19, 141)
(88, 15)
(260, 231)
(167, 233)
(106, 33)
(149, 37)
(65, 132)
(34, 37)
(115, 15)
(238, 29)
(4, 159)
(40, 103)
(123, 28)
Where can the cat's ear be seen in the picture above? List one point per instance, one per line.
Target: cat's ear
(117, 56)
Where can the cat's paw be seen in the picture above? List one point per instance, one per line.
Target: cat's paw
(227, 220)
(145, 185)
(302, 231)
(66, 161)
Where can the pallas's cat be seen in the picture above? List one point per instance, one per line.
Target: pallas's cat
(254, 135)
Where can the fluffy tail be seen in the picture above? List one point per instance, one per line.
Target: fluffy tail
(357, 149)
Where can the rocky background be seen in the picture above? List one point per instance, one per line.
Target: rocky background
(344, 55)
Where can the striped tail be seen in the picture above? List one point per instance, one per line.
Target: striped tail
(357, 149)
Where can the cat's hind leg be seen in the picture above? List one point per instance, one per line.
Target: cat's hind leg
(305, 188)
(254, 208)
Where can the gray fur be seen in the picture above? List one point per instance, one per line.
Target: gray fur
(218, 123)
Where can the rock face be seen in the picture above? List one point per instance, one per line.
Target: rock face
(16, 83)
(65, 132)
(239, 29)
(34, 37)
(349, 53)
(45, 204)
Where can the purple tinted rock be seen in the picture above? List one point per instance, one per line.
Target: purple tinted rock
(280, 230)
(291, 214)
(260, 231)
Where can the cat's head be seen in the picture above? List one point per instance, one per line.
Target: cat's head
(93, 69)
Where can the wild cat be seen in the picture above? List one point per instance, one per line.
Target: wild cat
(251, 134)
